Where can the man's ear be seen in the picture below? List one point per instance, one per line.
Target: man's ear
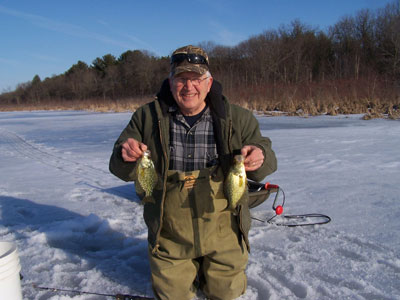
(210, 82)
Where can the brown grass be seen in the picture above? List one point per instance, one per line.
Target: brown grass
(292, 108)
(369, 97)
(96, 105)
(309, 99)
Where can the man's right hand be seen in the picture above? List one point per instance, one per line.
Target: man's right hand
(132, 150)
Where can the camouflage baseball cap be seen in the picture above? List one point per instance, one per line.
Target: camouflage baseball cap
(189, 59)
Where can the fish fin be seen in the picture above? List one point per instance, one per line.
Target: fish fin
(241, 180)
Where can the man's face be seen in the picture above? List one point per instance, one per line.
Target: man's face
(190, 90)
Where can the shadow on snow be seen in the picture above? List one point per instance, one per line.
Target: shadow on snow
(120, 258)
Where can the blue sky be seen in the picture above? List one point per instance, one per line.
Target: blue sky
(46, 37)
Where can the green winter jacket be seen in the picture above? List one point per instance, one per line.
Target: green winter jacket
(234, 127)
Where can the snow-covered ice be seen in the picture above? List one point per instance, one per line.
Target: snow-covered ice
(78, 227)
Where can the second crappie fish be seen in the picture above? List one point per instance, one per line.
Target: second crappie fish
(235, 185)
(146, 173)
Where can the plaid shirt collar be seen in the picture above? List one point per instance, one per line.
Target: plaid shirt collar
(192, 148)
(174, 110)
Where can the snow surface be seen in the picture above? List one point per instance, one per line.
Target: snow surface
(78, 227)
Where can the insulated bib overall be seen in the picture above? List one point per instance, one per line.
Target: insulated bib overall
(198, 236)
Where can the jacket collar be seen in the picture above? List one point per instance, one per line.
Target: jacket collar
(214, 98)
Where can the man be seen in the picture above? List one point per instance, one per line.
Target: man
(195, 241)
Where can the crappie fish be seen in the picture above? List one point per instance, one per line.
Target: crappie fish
(236, 182)
(146, 173)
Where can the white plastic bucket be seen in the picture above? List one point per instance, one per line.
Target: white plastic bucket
(10, 284)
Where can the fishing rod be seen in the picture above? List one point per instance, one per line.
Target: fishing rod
(261, 192)
(115, 296)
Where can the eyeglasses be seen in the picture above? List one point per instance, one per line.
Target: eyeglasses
(190, 57)
(180, 81)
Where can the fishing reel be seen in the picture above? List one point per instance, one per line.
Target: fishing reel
(277, 208)
(256, 190)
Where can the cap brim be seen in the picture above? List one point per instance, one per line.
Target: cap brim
(199, 69)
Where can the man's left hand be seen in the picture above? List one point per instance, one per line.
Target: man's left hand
(253, 157)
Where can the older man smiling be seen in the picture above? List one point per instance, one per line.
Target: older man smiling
(193, 133)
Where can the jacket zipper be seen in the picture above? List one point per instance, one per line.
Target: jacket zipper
(156, 242)
(230, 136)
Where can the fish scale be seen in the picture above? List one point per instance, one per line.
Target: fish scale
(147, 176)
(236, 182)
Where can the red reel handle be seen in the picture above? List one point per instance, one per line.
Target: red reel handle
(277, 208)
(269, 186)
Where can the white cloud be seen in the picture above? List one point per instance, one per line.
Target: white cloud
(45, 58)
(65, 28)
(9, 62)
(223, 35)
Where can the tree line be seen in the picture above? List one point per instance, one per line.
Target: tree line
(352, 67)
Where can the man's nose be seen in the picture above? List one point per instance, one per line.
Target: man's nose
(188, 83)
